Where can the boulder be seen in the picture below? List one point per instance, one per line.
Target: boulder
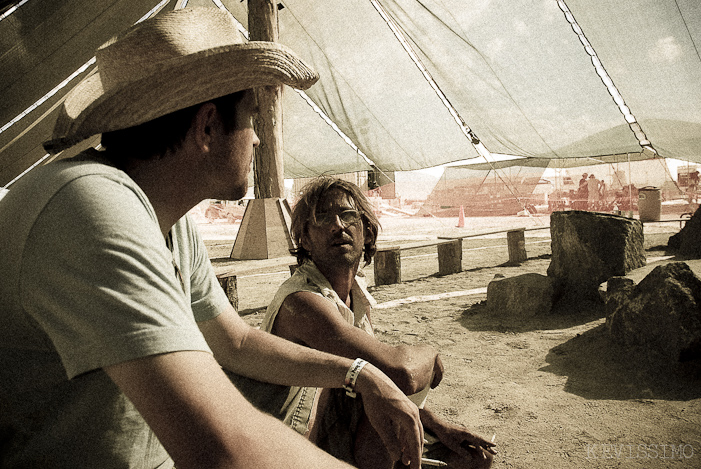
(688, 241)
(662, 312)
(616, 287)
(616, 291)
(589, 248)
(522, 296)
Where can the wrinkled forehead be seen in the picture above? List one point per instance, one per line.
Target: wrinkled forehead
(335, 199)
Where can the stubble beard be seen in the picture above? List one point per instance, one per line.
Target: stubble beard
(346, 260)
(239, 192)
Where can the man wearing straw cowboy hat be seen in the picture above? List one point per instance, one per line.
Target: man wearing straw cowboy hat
(113, 329)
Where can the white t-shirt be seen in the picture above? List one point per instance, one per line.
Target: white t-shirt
(87, 281)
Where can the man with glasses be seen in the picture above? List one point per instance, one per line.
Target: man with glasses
(326, 306)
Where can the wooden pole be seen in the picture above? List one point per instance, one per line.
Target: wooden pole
(268, 166)
(265, 229)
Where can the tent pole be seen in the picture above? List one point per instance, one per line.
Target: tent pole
(630, 188)
(268, 167)
(264, 232)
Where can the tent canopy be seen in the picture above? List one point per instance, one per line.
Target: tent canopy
(534, 79)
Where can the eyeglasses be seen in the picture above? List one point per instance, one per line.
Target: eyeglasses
(347, 217)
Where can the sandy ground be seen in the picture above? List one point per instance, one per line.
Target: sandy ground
(554, 389)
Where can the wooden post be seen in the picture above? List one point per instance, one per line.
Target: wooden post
(388, 266)
(268, 166)
(517, 246)
(450, 257)
(270, 238)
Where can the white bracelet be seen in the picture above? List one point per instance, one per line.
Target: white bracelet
(352, 376)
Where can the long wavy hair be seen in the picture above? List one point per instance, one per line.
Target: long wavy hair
(304, 213)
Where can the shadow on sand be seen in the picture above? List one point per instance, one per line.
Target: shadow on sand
(478, 317)
(598, 368)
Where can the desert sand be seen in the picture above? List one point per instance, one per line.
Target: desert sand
(554, 389)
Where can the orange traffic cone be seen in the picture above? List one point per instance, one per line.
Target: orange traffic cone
(461, 218)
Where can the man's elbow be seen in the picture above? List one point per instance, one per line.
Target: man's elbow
(406, 381)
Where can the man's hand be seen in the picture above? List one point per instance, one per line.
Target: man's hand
(459, 439)
(392, 415)
(456, 438)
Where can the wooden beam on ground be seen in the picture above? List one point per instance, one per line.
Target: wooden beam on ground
(388, 260)
(475, 235)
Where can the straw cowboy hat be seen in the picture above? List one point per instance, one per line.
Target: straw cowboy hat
(170, 62)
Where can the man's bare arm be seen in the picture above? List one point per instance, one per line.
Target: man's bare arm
(316, 322)
(203, 421)
(310, 319)
(256, 354)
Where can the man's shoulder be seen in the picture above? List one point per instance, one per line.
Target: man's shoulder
(88, 163)
(51, 178)
(81, 180)
(299, 282)
(303, 280)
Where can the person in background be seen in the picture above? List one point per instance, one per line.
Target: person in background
(325, 306)
(582, 193)
(693, 186)
(113, 328)
(593, 186)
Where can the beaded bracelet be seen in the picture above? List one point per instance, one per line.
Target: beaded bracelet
(352, 376)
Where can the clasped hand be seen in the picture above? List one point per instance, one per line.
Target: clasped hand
(393, 416)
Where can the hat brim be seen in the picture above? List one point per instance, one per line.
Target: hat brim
(89, 110)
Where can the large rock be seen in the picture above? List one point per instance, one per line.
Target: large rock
(522, 296)
(662, 312)
(688, 241)
(589, 248)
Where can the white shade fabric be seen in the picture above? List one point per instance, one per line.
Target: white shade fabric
(521, 75)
